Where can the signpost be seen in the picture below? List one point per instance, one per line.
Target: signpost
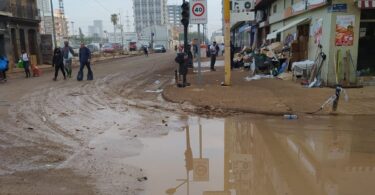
(198, 15)
(227, 81)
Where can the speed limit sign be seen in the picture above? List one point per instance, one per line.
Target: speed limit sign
(198, 11)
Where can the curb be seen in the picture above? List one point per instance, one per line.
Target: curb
(236, 110)
(259, 112)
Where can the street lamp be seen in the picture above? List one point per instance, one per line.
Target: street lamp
(53, 25)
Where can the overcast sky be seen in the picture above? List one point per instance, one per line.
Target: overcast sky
(83, 12)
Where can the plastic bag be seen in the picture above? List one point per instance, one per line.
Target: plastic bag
(20, 64)
(3, 64)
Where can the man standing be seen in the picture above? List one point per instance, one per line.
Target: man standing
(68, 54)
(84, 60)
(214, 50)
(145, 50)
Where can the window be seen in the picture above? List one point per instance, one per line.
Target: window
(274, 8)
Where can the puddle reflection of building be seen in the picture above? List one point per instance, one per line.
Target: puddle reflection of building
(260, 160)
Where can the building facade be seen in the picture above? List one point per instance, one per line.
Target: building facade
(98, 25)
(344, 28)
(150, 13)
(61, 27)
(96, 30)
(174, 15)
(19, 30)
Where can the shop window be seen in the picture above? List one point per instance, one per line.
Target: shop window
(2, 46)
(278, 37)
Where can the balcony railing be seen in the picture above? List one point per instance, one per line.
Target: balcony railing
(25, 12)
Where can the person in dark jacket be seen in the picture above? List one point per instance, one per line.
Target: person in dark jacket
(84, 59)
(58, 62)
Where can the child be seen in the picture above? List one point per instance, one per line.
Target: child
(26, 63)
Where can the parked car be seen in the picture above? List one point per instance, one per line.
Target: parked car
(93, 48)
(76, 49)
(159, 49)
(108, 48)
(111, 47)
(133, 46)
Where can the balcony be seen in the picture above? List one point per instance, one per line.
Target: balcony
(25, 12)
(303, 6)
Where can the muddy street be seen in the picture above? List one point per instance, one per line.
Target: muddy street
(117, 135)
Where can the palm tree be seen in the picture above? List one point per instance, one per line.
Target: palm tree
(114, 20)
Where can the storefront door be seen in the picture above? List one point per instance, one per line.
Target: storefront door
(366, 59)
(303, 40)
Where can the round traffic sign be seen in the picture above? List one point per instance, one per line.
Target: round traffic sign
(198, 9)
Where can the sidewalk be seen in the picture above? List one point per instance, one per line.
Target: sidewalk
(265, 96)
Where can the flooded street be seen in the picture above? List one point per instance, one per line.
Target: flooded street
(112, 136)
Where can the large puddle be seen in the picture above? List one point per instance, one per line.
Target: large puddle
(245, 156)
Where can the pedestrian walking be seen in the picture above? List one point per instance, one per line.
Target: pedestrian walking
(4, 65)
(175, 48)
(214, 50)
(145, 51)
(58, 62)
(84, 60)
(26, 63)
(68, 54)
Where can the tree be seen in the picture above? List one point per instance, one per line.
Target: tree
(81, 35)
(114, 20)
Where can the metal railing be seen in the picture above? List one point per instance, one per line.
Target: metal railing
(26, 12)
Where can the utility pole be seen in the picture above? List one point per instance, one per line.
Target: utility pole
(122, 31)
(53, 25)
(227, 81)
(72, 28)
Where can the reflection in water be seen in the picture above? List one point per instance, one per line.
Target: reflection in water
(245, 156)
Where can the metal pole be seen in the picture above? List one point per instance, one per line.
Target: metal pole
(227, 81)
(53, 25)
(185, 35)
(200, 141)
(199, 56)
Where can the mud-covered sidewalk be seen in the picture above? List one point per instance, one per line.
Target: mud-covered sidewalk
(265, 96)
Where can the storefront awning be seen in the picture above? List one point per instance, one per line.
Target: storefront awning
(273, 35)
(366, 4)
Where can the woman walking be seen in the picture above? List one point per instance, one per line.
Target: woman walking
(58, 62)
(26, 63)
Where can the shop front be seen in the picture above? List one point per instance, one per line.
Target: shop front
(331, 27)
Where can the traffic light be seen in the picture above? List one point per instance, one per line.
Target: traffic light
(185, 13)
